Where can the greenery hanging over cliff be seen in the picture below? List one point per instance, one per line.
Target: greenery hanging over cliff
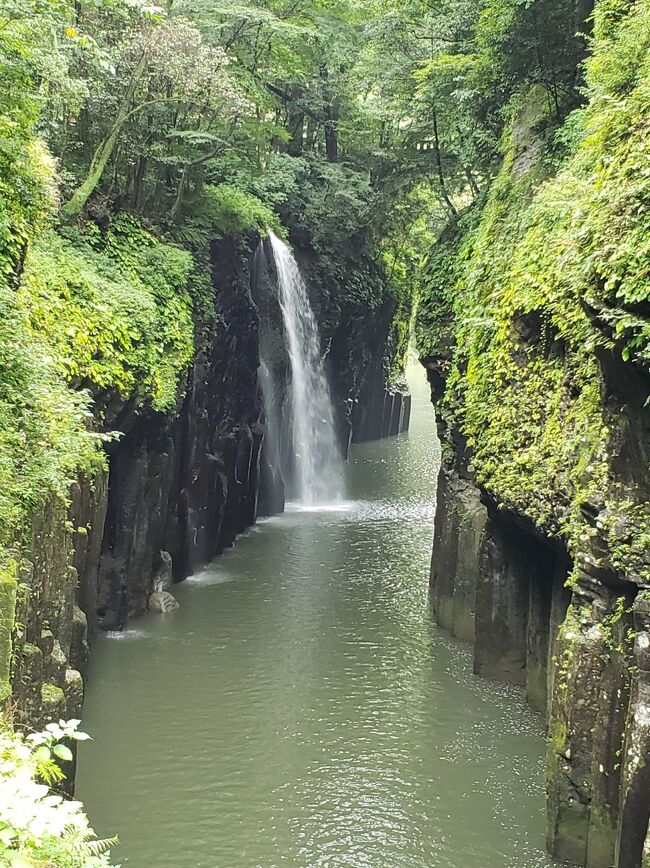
(132, 135)
(535, 310)
(486, 158)
(129, 139)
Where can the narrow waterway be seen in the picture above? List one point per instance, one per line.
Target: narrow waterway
(301, 708)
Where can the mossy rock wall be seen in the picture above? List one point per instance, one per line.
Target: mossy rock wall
(175, 490)
(57, 577)
(580, 654)
(533, 327)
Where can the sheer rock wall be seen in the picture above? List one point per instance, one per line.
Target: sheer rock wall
(579, 648)
(177, 490)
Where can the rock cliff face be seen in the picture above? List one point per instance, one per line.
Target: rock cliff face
(565, 617)
(58, 586)
(187, 485)
(533, 326)
(363, 348)
(178, 490)
(579, 651)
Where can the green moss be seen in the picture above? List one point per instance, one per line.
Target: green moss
(550, 272)
(96, 316)
(7, 618)
(558, 737)
(118, 318)
(52, 695)
(44, 433)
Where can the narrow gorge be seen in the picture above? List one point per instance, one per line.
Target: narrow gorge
(325, 434)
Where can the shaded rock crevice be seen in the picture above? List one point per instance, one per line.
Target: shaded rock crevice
(579, 648)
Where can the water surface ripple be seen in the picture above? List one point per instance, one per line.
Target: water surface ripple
(301, 708)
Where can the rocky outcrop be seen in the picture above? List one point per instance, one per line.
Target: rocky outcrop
(176, 491)
(522, 324)
(497, 586)
(372, 404)
(573, 631)
(187, 485)
(56, 588)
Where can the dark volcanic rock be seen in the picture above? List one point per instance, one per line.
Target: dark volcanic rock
(581, 652)
(180, 486)
(188, 485)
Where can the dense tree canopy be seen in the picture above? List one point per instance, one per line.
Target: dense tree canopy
(486, 160)
(381, 106)
(132, 134)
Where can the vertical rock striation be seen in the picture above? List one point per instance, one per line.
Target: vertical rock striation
(177, 488)
(187, 485)
(551, 587)
(533, 325)
(56, 588)
(373, 404)
(579, 648)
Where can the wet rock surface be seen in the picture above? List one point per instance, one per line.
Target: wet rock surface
(578, 647)
(177, 490)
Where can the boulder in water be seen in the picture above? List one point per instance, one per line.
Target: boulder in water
(163, 601)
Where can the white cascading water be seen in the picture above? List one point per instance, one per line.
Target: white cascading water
(318, 465)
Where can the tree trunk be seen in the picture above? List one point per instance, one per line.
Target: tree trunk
(331, 138)
(138, 183)
(73, 208)
(295, 122)
(180, 192)
(331, 112)
(441, 176)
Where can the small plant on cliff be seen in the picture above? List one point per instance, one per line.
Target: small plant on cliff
(38, 826)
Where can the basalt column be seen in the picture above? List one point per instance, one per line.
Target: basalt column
(576, 639)
(58, 588)
(183, 486)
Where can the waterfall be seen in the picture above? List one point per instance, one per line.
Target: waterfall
(271, 492)
(316, 477)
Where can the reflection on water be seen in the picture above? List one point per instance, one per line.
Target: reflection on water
(301, 709)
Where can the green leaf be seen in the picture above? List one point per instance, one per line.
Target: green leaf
(42, 754)
(19, 861)
(62, 752)
(7, 835)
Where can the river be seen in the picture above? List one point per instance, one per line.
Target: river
(302, 709)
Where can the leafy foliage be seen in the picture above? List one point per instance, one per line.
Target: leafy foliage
(226, 210)
(540, 284)
(43, 425)
(37, 825)
(116, 322)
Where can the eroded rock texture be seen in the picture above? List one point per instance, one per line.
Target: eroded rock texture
(56, 589)
(372, 404)
(177, 489)
(580, 649)
(187, 485)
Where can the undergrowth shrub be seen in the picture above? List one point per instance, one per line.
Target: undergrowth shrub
(551, 272)
(117, 318)
(38, 826)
